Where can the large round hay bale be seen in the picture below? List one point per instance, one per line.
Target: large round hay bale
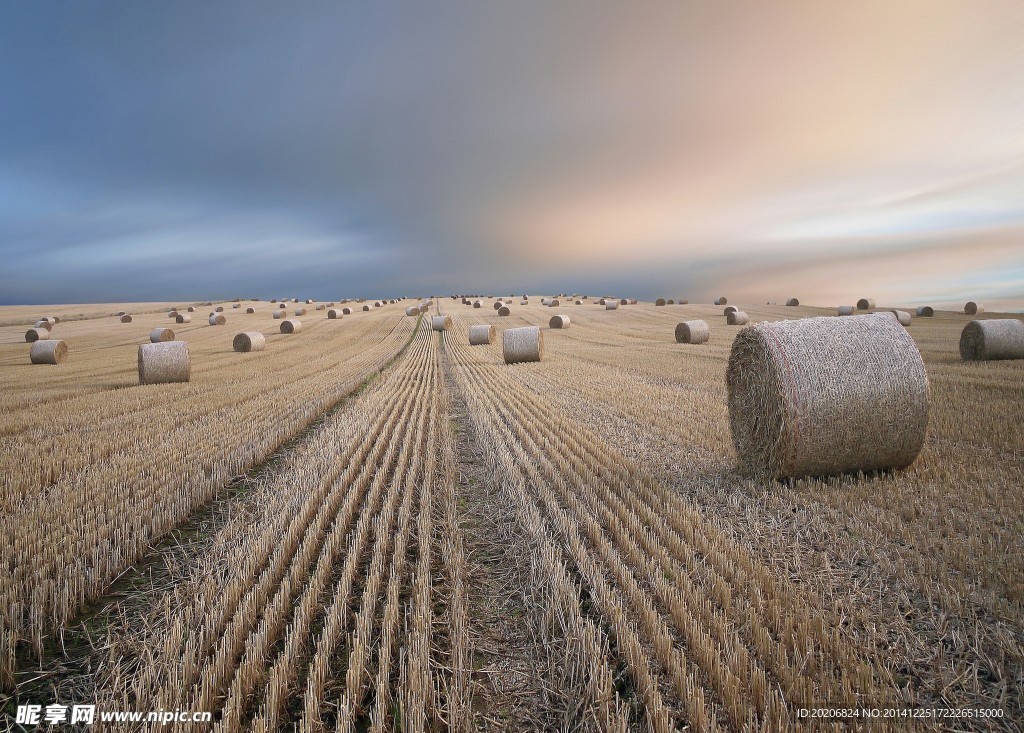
(925, 311)
(865, 304)
(559, 322)
(477, 304)
(721, 301)
(249, 341)
(43, 324)
(481, 334)
(217, 319)
(183, 318)
(623, 301)
(729, 309)
(334, 313)
(172, 314)
(793, 301)
(737, 318)
(996, 338)
(671, 302)
(346, 311)
(497, 304)
(821, 396)
(279, 315)
(236, 305)
(48, 351)
(126, 318)
(902, 316)
(554, 303)
(159, 335)
(191, 309)
(366, 307)
(36, 334)
(300, 311)
(504, 310)
(250, 310)
(441, 323)
(692, 332)
(660, 301)
(282, 306)
(845, 310)
(377, 304)
(291, 325)
(973, 309)
(522, 344)
(412, 310)
(164, 363)
(219, 309)
(611, 305)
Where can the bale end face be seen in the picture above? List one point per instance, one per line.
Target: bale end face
(611, 305)
(333, 314)
(249, 341)
(559, 322)
(925, 311)
(993, 339)
(973, 309)
(729, 309)
(693, 332)
(865, 304)
(524, 344)
(721, 301)
(845, 310)
(126, 318)
(159, 335)
(291, 325)
(660, 301)
(50, 351)
(217, 319)
(366, 307)
(504, 310)
(183, 318)
(250, 311)
(441, 323)
(164, 363)
(346, 311)
(36, 334)
(481, 335)
(793, 302)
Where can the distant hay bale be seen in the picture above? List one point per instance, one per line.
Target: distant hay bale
(300, 311)
(412, 310)
(164, 363)
(159, 335)
(925, 311)
(721, 301)
(424, 308)
(52, 320)
(217, 319)
(291, 325)
(183, 318)
(692, 332)
(481, 335)
(545, 301)
(671, 302)
(524, 302)
(441, 323)
(902, 316)
(346, 311)
(295, 300)
(119, 314)
(504, 310)
(660, 301)
(333, 313)
(172, 314)
(497, 304)
(823, 396)
(793, 302)
(684, 301)
(282, 306)
(553, 303)
(865, 304)
(522, 344)
(973, 309)
(126, 318)
(729, 309)
(366, 307)
(250, 311)
(219, 309)
(44, 324)
(623, 301)
(559, 322)
(845, 310)
(989, 340)
(37, 334)
(249, 341)
(477, 304)
(579, 302)
(236, 305)
(48, 351)
(309, 301)
(611, 305)
(377, 304)
(737, 318)
(279, 315)
(321, 307)
(273, 300)
(191, 309)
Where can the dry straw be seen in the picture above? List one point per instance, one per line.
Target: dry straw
(249, 341)
(441, 323)
(50, 351)
(164, 363)
(333, 313)
(793, 301)
(183, 318)
(865, 304)
(191, 309)
(721, 301)
(611, 305)
(559, 322)
(477, 304)
(692, 332)
(52, 320)
(845, 310)
(522, 344)
(36, 334)
(821, 396)
(217, 319)
(159, 335)
(481, 335)
(925, 311)
(973, 309)
(291, 325)
(737, 318)
(989, 340)
(504, 310)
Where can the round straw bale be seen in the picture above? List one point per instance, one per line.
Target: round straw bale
(611, 305)
(729, 309)
(309, 301)
(44, 324)
(692, 332)
(52, 320)
(998, 338)
(172, 314)
(346, 311)
(273, 300)
(119, 314)
(524, 302)
(377, 304)
(441, 323)
(684, 301)
(660, 301)
(846, 310)
(522, 344)
(821, 396)
(36, 334)
(721, 301)
(504, 310)
(282, 306)
(579, 302)
(217, 319)
(477, 304)
(249, 341)
(236, 305)
(366, 307)
(333, 313)
(902, 316)
(300, 311)
(793, 301)
(553, 303)
(545, 301)
(126, 318)
(164, 363)
(559, 322)
(250, 310)
(925, 311)
(158, 335)
(481, 335)
(973, 309)
(183, 318)
(49, 351)
(219, 309)
(671, 302)
(412, 310)
(279, 315)
(295, 300)
(737, 318)
(191, 309)
(321, 307)
(865, 304)
(424, 308)
(497, 304)
(291, 325)
(623, 301)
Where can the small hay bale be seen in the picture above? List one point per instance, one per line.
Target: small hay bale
(522, 344)
(250, 311)
(236, 305)
(164, 363)
(559, 322)
(504, 310)
(579, 302)
(424, 308)
(823, 396)
(219, 309)
(309, 301)
(366, 307)
(684, 301)
(554, 303)
(989, 340)
(671, 302)
(249, 341)
(412, 310)
(973, 309)
(902, 316)
(481, 335)
(48, 351)
(660, 301)
(497, 304)
(611, 305)
(441, 323)
(545, 301)
(119, 314)
(524, 302)
(126, 318)
(191, 309)
(44, 324)
(300, 311)
(624, 301)
(291, 325)
(377, 304)
(845, 310)
(183, 318)
(217, 319)
(477, 304)
(282, 306)
(737, 318)
(52, 320)
(865, 304)
(692, 332)
(321, 307)
(925, 311)
(793, 302)
(36, 334)
(279, 315)
(333, 314)
(273, 300)
(159, 335)
(346, 311)
(729, 309)
(721, 301)
(172, 314)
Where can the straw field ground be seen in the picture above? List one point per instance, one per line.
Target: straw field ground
(371, 525)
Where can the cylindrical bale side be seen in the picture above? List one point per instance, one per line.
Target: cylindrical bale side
(300, 311)
(611, 305)
(559, 322)
(52, 320)
(692, 332)
(793, 301)
(660, 301)
(282, 306)
(729, 309)
(164, 363)
(48, 351)
(191, 309)
(159, 335)
(183, 318)
(441, 323)
(44, 324)
(902, 316)
(504, 310)
(925, 311)
(865, 304)
(721, 301)
(412, 310)
(823, 396)
(973, 309)
(279, 315)
(291, 325)
(481, 335)
(172, 314)
(545, 301)
(554, 303)
(217, 319)
(346, 311)
(366, 307)
(250, 311)
(992, 339)
(249, 341)
(737, 318)
(579, 302)
(522, 344)
(671, 302)
(126, 318)
(845, 310)
(236, 305)
(623, 301)
(334, 313)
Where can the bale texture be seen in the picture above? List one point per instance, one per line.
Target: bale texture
(973, 309)
(660, 301)
(334, 313)
(559, 322)
(412, 310)
(989, 340)
(217, 319)
(611, 305)
(346, 311)
(441, 323)
(721, 301)
(692, 332)
(36, 334)
(793, 301)
(481, 335)
(164, 363)
(291, 325)
(865, 304)
(522, 344)
(845, 310)
(159, 335)
(579, 302)
(822, 396)
(366, 307)
(737, 318)
(249, 341)
(191, 309)
(279, 314)
(902, 316)
(126, 318)
(729, 309)
(925, 311)
(504, 310)
(48, 351)
(219, 309)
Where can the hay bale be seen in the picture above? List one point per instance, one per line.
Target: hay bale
(822, 396)
(279, 315)
(545, 301)
(524, 302)
(191, 309)
(322, 307)
(973, 309)
(217, 319)
(624, 301)
(36, 334)
(579, 302)
(611, 305)
(366, 307)
(554, 303)
(377, 304)
(249, 341)
(497, 304)
(183, 318)
(865, 304)
(346, 311)
(273, 300)
(52, 320)
(250, 311)
(692, 332)
(845, 310)
(793, 302)
(300, 311)
(481, 335)
(737, 318)
(164, 363)
(902, 316)
(126, 318)
(291, 325)
(441, 323)
(729, 309)
(309, 301)
(522, 344)
(119, 314)
(172, 314)
(559, 322)
(721, 301)
(236, 305)
(660, 301)
(684, 301)
(504, 310)
(159, 335)
(44, 324)
(219, 309)
(925, 311)
(671, 302)
(412, 310)
(998, 338)
(334, 314)
(48, 351)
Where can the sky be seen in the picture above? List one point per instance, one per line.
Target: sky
(822, 150)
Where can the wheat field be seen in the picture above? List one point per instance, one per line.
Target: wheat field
(374, 526)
